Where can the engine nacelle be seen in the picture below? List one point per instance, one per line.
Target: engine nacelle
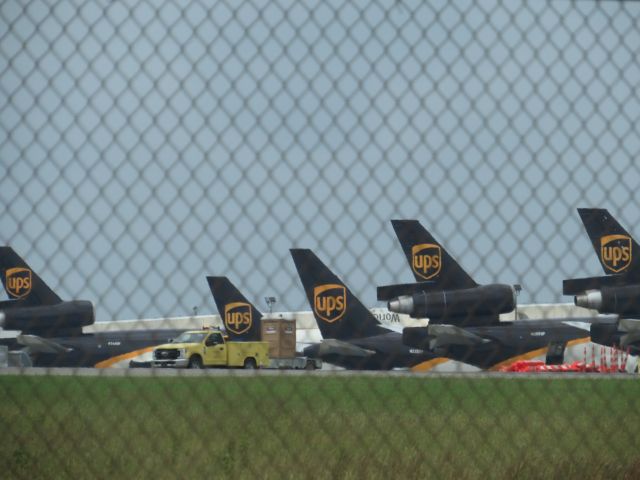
(478, 305)
(416, 337)
(621, 300)
(605, 334)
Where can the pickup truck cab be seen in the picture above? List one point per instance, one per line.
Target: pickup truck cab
(210, 348)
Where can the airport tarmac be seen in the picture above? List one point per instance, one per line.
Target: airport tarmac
(164, 373)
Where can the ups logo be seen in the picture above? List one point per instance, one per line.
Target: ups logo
(330, 302)
(18, 282)
(237, 317)
(615, 252)
(426, 260)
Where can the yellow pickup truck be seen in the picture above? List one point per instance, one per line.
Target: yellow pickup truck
(210, 348)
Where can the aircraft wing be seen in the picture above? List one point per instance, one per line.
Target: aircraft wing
(331, 346)
(586, 326)
(41, 345)
(392, 327)
(445, 335)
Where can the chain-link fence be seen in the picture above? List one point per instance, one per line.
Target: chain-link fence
(145, 145)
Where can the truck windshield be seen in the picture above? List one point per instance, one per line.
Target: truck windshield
(189, 337)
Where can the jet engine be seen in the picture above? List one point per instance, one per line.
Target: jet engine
(621, 300)
(471, 306)
(605, 334)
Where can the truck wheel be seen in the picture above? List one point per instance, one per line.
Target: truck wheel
(250, 364)
(310, 365)
(195, 362)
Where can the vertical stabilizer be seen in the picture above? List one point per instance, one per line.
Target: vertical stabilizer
(617, 251)
(22, 283)
(240, 318)
(338, 312)
(428, 260)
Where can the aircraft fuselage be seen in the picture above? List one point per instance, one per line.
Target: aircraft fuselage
(98, 349)
(510, 340)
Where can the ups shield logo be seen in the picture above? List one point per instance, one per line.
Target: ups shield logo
(330, 302)
(615, 252)
(426, 260)
(18, 282)
(237, 317)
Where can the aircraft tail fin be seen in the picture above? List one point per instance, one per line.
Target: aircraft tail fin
(22, 283)
(240, 318)
(338, 312)
(617, 251)
(428, 259)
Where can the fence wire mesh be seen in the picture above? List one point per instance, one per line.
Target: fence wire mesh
(145, 145)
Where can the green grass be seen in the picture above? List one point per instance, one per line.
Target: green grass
(313, 427)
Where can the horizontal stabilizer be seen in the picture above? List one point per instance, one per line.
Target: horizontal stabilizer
(41, 345)
(331, 346)
(389, 292)
(576, 286)
(446, 335)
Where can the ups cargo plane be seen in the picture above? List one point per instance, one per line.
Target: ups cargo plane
(352, 337)
(50, 330)
(616, 293)
(464, 322)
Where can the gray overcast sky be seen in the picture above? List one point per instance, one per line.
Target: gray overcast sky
(144, 145)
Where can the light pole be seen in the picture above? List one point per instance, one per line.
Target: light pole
(271, 301)
(518, 288)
